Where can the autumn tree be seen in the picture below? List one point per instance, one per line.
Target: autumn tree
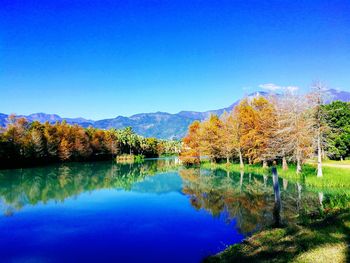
(190, 153)
(37, 140)
(256, 118)
(226, 136)
(210, 143)
(64, 150)
(52, 139)
(81, 143)
(230, 136)
(22, 142)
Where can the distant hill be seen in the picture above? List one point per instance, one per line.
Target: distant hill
(158, 124)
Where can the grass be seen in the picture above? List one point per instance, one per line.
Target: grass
(334, 178)
(324, 240)
(347, 162)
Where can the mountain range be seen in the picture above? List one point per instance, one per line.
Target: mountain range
(161, 125)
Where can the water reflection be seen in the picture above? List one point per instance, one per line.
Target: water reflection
(277, 205)
(21, 187)
(252, 201)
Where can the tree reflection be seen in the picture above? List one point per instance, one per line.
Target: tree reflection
(252, 202)
(30, 186)
(277, 205)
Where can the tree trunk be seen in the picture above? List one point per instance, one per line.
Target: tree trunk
(241, 164)
(241, 180)
(298, 165)
(264, 164)
(284, 164)
(277, 206)
(299, 196)
(227, 159)
(320, 199)
(285, 184)
(319, 157)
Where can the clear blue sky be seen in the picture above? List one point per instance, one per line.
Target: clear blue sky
(99, 59)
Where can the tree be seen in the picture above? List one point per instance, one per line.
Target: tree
(317, 98)
(256, 118)
(52, 139)
(338, 137)
(64, 150)
(280, 132)
(81, 143)
(226, 136)
(295, 128)
(22, 142)
(190, 152)
(230, 136)
(210, 143)
(38, 140)
(111, 141)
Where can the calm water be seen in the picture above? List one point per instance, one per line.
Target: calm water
(151, 212)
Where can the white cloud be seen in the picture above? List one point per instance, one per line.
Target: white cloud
(291, 88)
(274, 87)
(270, 86)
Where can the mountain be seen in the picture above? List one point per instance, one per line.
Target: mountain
(158, 124)
(338, 95)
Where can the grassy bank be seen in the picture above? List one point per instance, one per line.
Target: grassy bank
(315, 238)
(323, 240)
(334, 178)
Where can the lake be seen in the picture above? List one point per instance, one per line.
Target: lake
(156, 211)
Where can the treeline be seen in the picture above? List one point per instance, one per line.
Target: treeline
(287, 127)
(26, 143)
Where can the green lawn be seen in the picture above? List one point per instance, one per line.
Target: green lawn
(334, 178)
(344, 162)
(325, 240)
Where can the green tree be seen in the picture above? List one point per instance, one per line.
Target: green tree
(338, 137)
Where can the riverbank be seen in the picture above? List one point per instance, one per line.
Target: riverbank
(322, 240)
(336, 178)
(321, 237)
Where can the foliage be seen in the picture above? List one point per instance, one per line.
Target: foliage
(338, 118)
(24, 143)
(191, 148)
(287, 127)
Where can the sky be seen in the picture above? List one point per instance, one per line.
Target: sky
(100, 59)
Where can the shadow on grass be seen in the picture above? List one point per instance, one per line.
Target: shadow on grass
(324, 240)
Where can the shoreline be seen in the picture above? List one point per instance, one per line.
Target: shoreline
(322, 240)
(313, 238)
